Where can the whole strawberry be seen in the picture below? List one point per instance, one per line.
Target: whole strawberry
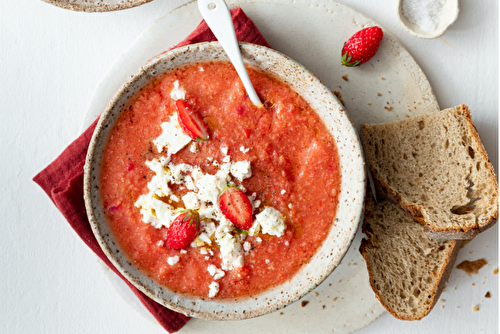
(183, 230)
(362, 46)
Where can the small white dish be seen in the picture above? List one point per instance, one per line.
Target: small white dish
(448, 15)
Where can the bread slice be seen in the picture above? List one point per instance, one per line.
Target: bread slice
(407, 269)
(436, 167)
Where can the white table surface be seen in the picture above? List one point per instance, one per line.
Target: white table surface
(51, 60)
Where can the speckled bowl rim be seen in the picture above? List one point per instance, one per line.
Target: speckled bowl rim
(351, 195)
(100, 7)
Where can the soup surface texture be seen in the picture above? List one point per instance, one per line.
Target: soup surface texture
(294, 170)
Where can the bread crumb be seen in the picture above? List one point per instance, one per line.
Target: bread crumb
(442, 300)
(330, 284)
(475, 308)
(388, 108)
(324, 306)
(389, 91)
(339, 96)
(383, 78)
(495, 271)
(473, 284)
(345, 77)
(472, 267)
(304, 303)
(487, 295)
(369, 104)
(281, 313)
(442, 306)
(379, 94)
(334, 299)
(316, 294)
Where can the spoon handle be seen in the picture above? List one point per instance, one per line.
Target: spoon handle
(218, 18)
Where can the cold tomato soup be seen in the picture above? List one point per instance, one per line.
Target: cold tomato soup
(294, 169)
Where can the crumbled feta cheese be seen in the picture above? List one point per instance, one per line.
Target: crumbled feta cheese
(224, 150)
(287, 243)
(173, 260)
(214, 289)
(267, 261)
(241, 170)
(271, 221)
(243, 189)
(215, 272)
(231, 252)
(255, 229)
(207, 258)
(258, 239)
(290, 205)
(244, 150)
(226, 159)
(191, 201)
(283, 192)
(172, 137)
(202, 69)
(183, 251)
(210, 158)
(256, 204)
(160, 243)
(194, 147)
(247, 246)
(205, 238)
(203, 251)
(177, 93)
(174, 198)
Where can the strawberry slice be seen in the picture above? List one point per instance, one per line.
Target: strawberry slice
(191, 122)
(236, 206)
(183, 230)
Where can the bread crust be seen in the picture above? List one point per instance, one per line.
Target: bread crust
(417, 211)
(437, 289)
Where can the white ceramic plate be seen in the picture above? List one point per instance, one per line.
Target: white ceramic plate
(96, 5)
(316, 43)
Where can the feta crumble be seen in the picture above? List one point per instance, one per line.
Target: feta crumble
(241, 170)
(215, 272)
(194, 147)
(214, 289)
(283, 192)
(172, 137)
(173, 260)
(224, 150)
(247, 246)
(271, 221)
(244, 150)
(177, 93)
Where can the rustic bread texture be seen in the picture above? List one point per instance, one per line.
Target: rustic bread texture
(407, 269)
(436, 167)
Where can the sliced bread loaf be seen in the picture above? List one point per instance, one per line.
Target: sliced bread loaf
(436, 167)
(407, 269)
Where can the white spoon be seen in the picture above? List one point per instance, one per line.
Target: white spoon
(218, 18)
(447, 17)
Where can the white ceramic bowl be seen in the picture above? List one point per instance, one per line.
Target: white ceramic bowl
(351, 197)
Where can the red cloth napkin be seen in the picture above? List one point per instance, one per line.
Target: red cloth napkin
(62, 180)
